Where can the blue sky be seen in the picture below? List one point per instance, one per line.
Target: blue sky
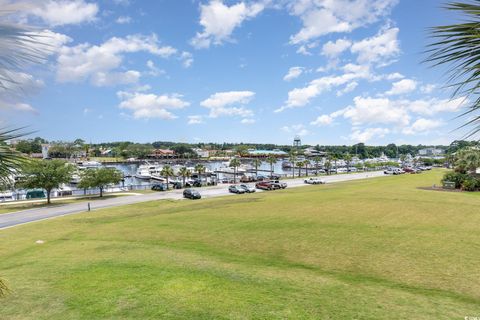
(333, 72)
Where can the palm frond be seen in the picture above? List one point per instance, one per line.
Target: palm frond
(11, 161)
(458, 47)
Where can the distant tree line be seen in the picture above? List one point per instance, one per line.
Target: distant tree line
(127, 149)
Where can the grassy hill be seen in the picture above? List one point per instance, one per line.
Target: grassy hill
(372, 249)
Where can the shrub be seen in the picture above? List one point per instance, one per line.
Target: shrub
(470, 184)
(456, 177)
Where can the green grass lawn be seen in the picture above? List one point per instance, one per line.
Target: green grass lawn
(371, 249)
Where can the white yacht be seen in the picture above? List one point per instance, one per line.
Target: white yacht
(146, 171)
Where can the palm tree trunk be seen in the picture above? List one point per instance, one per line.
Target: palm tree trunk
(234, 174)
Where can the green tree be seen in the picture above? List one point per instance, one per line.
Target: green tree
(46, 174)
(257, 162)
(468, 161)
(328, 166)
(299, 166)
(271, 160)
(200, 169)
(235, 163)
(348, 160)
(317, 160)
(457, 46)
(167, 172)
(306, 164)
(184, 173)
(292, 158)
(100, 178)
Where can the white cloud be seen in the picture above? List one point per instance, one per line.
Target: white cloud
(123, 20)
(428, 88)
(63, 12)
(422, 125)
(195, 119)
(368, 134)
(402, 87)
(293, 72)
(223, 104)
(247, 121)
(300, 97)
(348, 88)
(334, 49)
(394, 76)
(150, 105)
(154, 71)
(297, 129)
(219, 21)
(323, 17)
(378, 49)
(376, 110)
(434, 106)
(187, 59)
(323, 120)
(99, 63)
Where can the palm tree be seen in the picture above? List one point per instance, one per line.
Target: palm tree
(271, 160)
(167, 172)
(257, 162)
(300, 166)
(11, 161)
(235, 163)
(334, 159)
(468, 160)
(293, 159)
(348, 160)
(306, 164)
(184, 173)
(200, 168)
(328, 166)
(316, 160)
(457, 46)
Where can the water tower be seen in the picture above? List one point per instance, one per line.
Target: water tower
(297, 142)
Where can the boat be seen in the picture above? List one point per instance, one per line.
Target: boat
(89, 164)
(146, 171)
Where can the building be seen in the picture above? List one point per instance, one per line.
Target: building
(45, 148)
(202, 153)
(162, 154)
(265, 153)
(430, 152)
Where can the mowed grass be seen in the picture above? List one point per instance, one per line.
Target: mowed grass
(371, 249)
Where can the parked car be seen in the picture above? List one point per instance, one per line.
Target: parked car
(235, 189)
(261, 178)
(397, 171)
(278, 184)
(176, 185)
(159, 187)
(275, 177)
(191, 194)
(314, 181)
(264, 185)
(195, 183)
(247, 188)
(388, 171)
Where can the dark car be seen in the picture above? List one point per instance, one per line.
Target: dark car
(159, 187)
(235, 189)
(191, 194)
(275, 177)
(176, 185)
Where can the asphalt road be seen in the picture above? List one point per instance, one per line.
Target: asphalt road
(8, 220)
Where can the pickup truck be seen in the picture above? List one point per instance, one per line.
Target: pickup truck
(278, 184)
(264, 185)
(314, 181)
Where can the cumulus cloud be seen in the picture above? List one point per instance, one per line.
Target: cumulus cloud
(434, 106)
(300, 97)
(368, 134)
(376, 110)
(380, 48)
(247, 121)
(293, 72)
(323, 120)
(123, 20)
(422, 125)
(195, 119)
(229, 103)
(99, 64)
(323, 17)
(219, 21)
(297, 129)
(64, 12)
(334, 49)
(149, 105)
(428, 88)
(402, 87)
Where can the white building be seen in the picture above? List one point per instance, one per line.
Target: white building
(430, 152)
(202, 153)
